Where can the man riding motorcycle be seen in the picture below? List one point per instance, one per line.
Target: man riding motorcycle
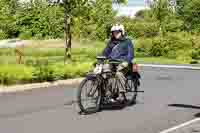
(120, 47)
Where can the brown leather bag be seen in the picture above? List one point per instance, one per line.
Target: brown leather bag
(135, 68)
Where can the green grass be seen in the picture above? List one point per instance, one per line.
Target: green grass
(15, 74)
(158, 60)
(12, 74)
(34, 68)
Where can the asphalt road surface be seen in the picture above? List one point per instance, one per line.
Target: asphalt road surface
(171, 97)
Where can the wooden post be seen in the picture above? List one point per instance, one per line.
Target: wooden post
(19, 55)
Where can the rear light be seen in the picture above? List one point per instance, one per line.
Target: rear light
(135, 68)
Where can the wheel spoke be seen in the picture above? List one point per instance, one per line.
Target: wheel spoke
(88, 95)
(131, 94)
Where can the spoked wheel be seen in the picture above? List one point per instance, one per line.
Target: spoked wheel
(89, 96)
(131, 93)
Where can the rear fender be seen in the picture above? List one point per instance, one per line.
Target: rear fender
(136, 75)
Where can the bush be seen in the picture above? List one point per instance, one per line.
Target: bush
(175, 42)
(7, 52)
(157, 47)
(184, 55)
(13, 74)
(25, 35)
(174, 25)
(196, 47)
(3, 35)
(38, 36)
(41, 71)
(170, 45)
(143, 47)
(77, 69)
(196, 54)
(141, 29)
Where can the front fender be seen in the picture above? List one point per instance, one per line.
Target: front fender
(91, 76)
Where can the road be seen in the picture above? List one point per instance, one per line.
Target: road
(171, 97)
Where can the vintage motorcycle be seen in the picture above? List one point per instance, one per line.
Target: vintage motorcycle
(101, 86)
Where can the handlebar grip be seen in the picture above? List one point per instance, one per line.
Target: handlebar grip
(115, 60)
(101, 57)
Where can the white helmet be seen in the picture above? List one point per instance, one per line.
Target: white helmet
(118, 27)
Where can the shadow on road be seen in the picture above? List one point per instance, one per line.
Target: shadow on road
(184, 106)
(197, 115)
(109, 107)
(112, 107)
(116, 106)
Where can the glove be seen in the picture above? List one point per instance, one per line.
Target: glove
(122, 66)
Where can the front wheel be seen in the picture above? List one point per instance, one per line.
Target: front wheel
(89, 96)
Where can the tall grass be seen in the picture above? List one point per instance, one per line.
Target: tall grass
(11, 74)
(44, 64)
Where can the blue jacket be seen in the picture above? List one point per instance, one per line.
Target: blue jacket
(120, 49)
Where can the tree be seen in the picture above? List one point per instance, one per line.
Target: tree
(161, 12)
(189, 12)
(7, 17)
(44, 18)
(72, 10)
(40, 20)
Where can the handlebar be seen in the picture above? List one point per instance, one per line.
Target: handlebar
(115, 61)
(101, 58)
(111, 61)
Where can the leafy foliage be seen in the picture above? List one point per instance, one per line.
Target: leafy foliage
(189, 12)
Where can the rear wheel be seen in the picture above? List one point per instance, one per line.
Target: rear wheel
(89, 96)
(131, 92)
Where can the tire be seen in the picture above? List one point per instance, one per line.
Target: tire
(131, 94)
(97, 96)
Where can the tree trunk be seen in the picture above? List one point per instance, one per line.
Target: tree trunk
(67, 31)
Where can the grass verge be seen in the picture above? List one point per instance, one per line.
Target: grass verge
(46, 64)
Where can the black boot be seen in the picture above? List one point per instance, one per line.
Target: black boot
(122, 98)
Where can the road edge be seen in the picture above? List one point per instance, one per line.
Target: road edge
(26, 87)
(171, 66)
